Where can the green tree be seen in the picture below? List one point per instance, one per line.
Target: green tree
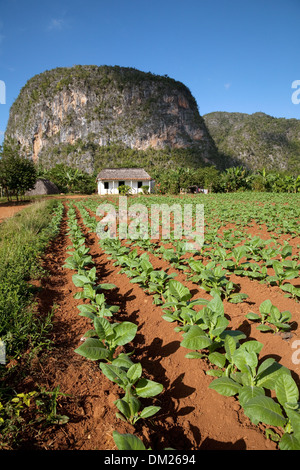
(17, 174)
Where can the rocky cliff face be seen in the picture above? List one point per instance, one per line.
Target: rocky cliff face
(64, 115)
(257, 140)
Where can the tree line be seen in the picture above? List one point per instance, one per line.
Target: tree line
(231, 180)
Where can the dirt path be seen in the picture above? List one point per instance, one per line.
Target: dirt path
(9, 209)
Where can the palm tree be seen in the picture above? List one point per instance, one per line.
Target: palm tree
(71, 178)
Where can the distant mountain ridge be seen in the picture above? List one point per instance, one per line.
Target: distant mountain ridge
(256, 140)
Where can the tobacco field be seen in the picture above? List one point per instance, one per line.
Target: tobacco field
(157, 347)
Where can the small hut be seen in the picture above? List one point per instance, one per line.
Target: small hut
(43, 186)
(110, 179)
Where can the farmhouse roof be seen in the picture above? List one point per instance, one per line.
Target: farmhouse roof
(123, 174)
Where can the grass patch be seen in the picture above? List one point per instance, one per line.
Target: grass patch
(23, 238)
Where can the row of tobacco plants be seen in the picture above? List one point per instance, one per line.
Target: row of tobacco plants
(237, 367)
(23, 333)
(106, 340)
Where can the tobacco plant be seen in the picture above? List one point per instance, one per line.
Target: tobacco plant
(157, 285)
(128, 376)
(132, 442)
(209, 332)
(142, 272)
(243, 376)
(238, 253)
(88, 281)
(284, 413)
(97, 307)
(79, 259)
(102, 342)
(283, 272)
(178, 305)
(270, 318)
(292, 291)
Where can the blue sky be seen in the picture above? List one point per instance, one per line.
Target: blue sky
(234, 55)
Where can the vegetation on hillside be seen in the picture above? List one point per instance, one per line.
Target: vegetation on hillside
(257, 140)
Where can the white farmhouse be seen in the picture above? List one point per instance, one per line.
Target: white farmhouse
(109, 180)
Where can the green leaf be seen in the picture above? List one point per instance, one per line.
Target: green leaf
(294, 417)
(90, 334)
(287, 250)
(106, 286)
(127, 441)
(244, 359)
(115, 374)
(221, 325)
(123, 406)
(146, 266)
(125, 332)
(230, 346)
(289, 442)
(268, 372)
(134, 372)
(88, 291)
(92, 349)
(265, 410)
(194, 355)
(79, 280)
(252, 346)
(179, 291)
(87, 309)
(265, 307)
(225, 386)
(282, 326)
(195, 339)
(264, 328)
(103, 328)
(169, 317)
(235, 334)
(286, 390)
(253, 316)
(217, 359)
(237, 298)
(248, 392)
(147, 388)
(216, 305)
(135, 405)
(149, 411)
(123, 360)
